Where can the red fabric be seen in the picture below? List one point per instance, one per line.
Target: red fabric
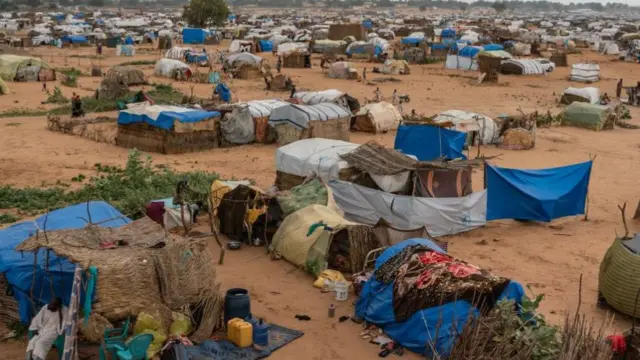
(433, 257)
(155, 211)
(460, 270)
(618, 343)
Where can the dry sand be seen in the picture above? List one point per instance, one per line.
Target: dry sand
(548, 257)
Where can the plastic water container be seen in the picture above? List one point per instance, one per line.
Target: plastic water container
(237, 304)
(240, 332)
(342, 290)
(261, 335)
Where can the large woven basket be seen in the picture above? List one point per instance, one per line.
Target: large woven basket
(618, 280)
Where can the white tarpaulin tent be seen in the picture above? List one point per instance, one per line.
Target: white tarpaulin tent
(383, 116)
(243, 58)
(585, 72)
(314, 156)
(176, 53)
(318, 97)
(262, 108)
(465, 121)
(592, 94)
(239, 46)
(166, 67)
(461, 62)
(441, 216)
(301, 115)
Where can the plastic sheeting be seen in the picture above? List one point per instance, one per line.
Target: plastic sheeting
(9, 65)
(465, 121)
(585, 72)
(301, 115)
(538, 195)
(166, 67)
(243, 58)
(591, 94)
(176, 53)
(527, 67)
(441, 216)
(237, 127)
(263, 108)
(383, 115)
(164, 116)
(18, 266)
(239, 46)
(461, 63)
(265, 45)
(429, 143)
(438, 325)
(284, 48)
(315, 156)
(318, 97)
(194, 36)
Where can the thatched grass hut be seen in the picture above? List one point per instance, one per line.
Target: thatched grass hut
(247, 71)
(142, 268)
(129, 74)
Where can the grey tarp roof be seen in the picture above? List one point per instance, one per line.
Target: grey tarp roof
(300, 115)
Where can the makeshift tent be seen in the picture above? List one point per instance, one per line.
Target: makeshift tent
(303, 195)
(25, 271)
(433, 328)
(315, 236)
(538, 195)
(328, 96)
(589, 95)
(441, 216)
(342, 70)
(265, 45)
(522, 67)
(74, 39)
(360, 48)
(585, 72)
(329, 46)
(164, 282)
(194, 36)
(167, 129)
(171, 68)
(243, 58)
(312, 157)
(395, 67)
(4, 89)
(377, 118)
(130, 75)
(11, 64)
(589, 116)
(237, 126)
(238, 46)
(294, 122)
(428, 142)
(176, 53)
(482, 126)
(617, 282)
(461, 62)
(223, 92)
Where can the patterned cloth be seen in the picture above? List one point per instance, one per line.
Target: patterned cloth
(71, 327)
(425, 278)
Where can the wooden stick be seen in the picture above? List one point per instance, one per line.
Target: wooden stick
(624, 220)
(215, 231)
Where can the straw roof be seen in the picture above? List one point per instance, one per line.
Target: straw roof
(147, 270)
(379, 160)
(129, 75)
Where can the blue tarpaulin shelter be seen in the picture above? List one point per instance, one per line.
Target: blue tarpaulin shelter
(18, 266)
(74, 39)
(367, 24)
(436, 325)
(492, 47)
(164, 116)
(412, 40)
(469, 51)
(224, 92)
(266, 45)
(196, 58)
(448, 33)
(539, 195)
(430, 142)
(129, 41)
(194, 36)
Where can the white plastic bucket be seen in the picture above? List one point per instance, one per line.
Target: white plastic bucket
(342, 290)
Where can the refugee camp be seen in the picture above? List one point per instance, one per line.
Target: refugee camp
(212, 179)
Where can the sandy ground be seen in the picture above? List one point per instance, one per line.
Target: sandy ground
(548, 257)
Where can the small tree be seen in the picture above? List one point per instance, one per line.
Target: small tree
(499, 6)
(202, 13)
(33, 3)
(464, 6)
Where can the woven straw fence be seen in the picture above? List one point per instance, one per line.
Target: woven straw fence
(176, 274)
(618, 279)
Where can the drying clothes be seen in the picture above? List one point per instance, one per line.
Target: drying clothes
(424, 278)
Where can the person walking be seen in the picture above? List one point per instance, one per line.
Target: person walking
(619, 89)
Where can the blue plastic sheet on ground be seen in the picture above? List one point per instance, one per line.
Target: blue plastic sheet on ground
(18, 266)
(165, 119)
(539, 195)
(492, 47)
(430, 142)
(437, 325)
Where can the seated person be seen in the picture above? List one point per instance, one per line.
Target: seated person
(46, 327)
